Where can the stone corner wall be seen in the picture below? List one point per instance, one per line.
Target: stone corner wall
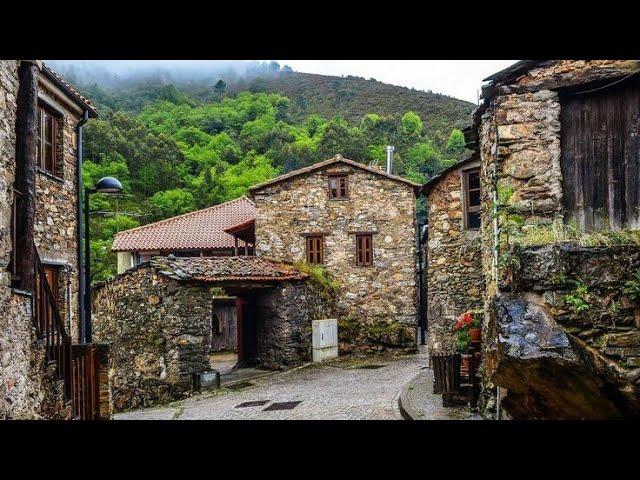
(519, 136)
(454, 269)
(378, 304)
(160, 334)
(27, 387)
(284, 315)
(567, 335)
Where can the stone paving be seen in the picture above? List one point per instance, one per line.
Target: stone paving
(339, 390)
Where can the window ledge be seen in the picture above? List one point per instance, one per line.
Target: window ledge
(22, 293)
(50, 175)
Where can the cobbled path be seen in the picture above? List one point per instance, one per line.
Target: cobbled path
(325, 392)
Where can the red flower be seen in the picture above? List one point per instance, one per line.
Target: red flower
(465, 320)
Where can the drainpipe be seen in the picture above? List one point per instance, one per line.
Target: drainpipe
(496, 236)
(82, 287)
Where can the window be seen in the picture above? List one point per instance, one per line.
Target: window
(315, 252)
(471, 185)
(47, 141)
(338, 186)
(364, 250)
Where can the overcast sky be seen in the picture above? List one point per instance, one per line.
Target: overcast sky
(458, 78)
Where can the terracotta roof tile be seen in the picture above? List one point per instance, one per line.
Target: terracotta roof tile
(225, 269)
(199, 230)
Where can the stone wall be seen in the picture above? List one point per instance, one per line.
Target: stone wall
(55, 226)
(454, 267)
(378, 303)
(27, 389)
(160, 331)
(519, 141)
(569, 334)
(284, 316)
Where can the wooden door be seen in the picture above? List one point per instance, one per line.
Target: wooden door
(600, 159)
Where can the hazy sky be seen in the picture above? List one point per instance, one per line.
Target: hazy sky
(458, 78)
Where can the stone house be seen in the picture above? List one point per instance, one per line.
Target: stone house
(165, 316)
(360, 224)
(41, 118)
(221, 230)
(559, 152)
(454, 278)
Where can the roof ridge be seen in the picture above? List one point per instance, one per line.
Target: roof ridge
(183, 215)
(335, 159)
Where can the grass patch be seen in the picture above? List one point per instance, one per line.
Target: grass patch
(319, 276)
(559, 232)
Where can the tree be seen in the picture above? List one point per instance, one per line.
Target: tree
(456, 144)
(411, 124)
(220, 88)
(170, 203)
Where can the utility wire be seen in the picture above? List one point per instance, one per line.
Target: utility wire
(608, 85)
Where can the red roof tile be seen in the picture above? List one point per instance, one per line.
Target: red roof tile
(225, 269)
(200, 230)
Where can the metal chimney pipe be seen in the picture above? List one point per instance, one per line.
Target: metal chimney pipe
(389, 158)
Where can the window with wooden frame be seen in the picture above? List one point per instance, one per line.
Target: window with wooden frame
(364, 250)
(47, 141)
(471, 195)
(338, 186)
(315, 249)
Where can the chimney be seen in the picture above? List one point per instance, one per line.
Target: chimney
(389, 158)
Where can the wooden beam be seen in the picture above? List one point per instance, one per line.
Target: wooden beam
(26, 131)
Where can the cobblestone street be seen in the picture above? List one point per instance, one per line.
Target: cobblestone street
(345, 390)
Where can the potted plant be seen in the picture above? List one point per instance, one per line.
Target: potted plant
(463, 340)
(475, 328)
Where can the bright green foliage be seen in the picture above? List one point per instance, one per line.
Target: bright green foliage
(411, 124)
(456, 144)
(172, 202)
(632, 287)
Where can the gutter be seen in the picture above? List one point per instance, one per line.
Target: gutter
(80, 227)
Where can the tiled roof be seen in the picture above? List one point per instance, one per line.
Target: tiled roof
(70, 90)
(225, 269)
(199, 230)
(335, 159)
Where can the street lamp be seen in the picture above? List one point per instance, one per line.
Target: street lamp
(108, 185)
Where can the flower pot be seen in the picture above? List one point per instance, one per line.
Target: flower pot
(476, 334)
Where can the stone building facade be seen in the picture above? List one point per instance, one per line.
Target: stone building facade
(161, 318)
(454, 279)
(27, 387)
(378, 300)
(559, 157)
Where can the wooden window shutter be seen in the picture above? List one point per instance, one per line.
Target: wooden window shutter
(315, 252)
(364, 250)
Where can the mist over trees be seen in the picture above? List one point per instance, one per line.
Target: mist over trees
(178, 149)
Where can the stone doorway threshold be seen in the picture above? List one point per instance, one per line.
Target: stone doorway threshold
(223, 362)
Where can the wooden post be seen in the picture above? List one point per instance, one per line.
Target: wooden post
(235, 248)
(26, 132)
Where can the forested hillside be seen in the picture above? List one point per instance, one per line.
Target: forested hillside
(185, 147)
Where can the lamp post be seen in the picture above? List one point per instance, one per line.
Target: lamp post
(107, 185)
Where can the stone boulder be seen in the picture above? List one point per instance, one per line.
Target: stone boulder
(549, 373)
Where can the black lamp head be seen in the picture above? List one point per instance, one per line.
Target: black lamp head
(108, 185)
